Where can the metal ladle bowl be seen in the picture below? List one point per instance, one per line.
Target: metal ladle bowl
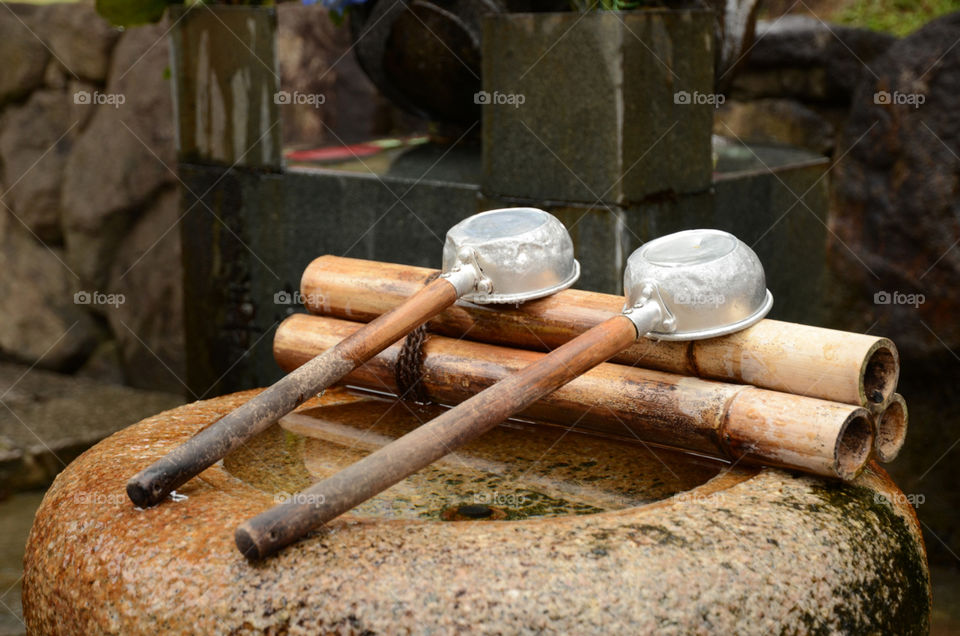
(707, 283)
(518, 254)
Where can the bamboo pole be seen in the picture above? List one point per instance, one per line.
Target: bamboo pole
(891, 427)
(790, 358)
(713, 418)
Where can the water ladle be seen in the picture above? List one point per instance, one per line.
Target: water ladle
(509, 255)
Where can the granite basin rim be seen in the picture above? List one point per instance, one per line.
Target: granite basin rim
(550, 573)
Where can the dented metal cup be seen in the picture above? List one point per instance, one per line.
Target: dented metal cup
(514, 254)
(707, 283)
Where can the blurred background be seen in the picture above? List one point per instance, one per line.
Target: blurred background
(147, 251)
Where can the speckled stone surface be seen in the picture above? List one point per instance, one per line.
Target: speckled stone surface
(747, 551)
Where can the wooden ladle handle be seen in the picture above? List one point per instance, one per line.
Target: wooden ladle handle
(151, 485)
(287, 522)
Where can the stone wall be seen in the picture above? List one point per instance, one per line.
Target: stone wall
(90, 255)
(887, 111)
(797, 81)
(90, 275)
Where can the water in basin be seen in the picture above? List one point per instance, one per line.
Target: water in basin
(517, 471)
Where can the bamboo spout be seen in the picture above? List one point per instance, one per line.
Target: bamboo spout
(811, 361)
(722, 420)
(891, 425)
(826, 438)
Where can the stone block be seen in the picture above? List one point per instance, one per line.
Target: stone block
(79, 39)
(225, 67)
(244, 256)
(41, 321)
(35, 141)
(600, 107)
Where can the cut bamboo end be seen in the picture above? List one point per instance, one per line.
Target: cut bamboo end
(891, 429)
(879, 373)
(854, 445)
(713, 418)
(825, 438)
(791, 358)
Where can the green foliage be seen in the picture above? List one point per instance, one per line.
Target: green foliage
(126, 13)
(338, 18)
(898, 17)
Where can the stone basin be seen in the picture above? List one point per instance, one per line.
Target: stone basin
(529, 529)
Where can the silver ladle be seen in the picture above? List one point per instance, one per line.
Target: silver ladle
(508, 255)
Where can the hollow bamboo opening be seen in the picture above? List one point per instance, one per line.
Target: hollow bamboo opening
(854, 445)
(891, 429)
(880, 373)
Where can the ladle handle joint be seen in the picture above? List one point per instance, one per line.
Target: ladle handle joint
(645, 317)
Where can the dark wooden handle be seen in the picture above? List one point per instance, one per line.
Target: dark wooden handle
(151, 485)
(284, 524)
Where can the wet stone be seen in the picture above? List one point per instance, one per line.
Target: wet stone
(688, 548)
